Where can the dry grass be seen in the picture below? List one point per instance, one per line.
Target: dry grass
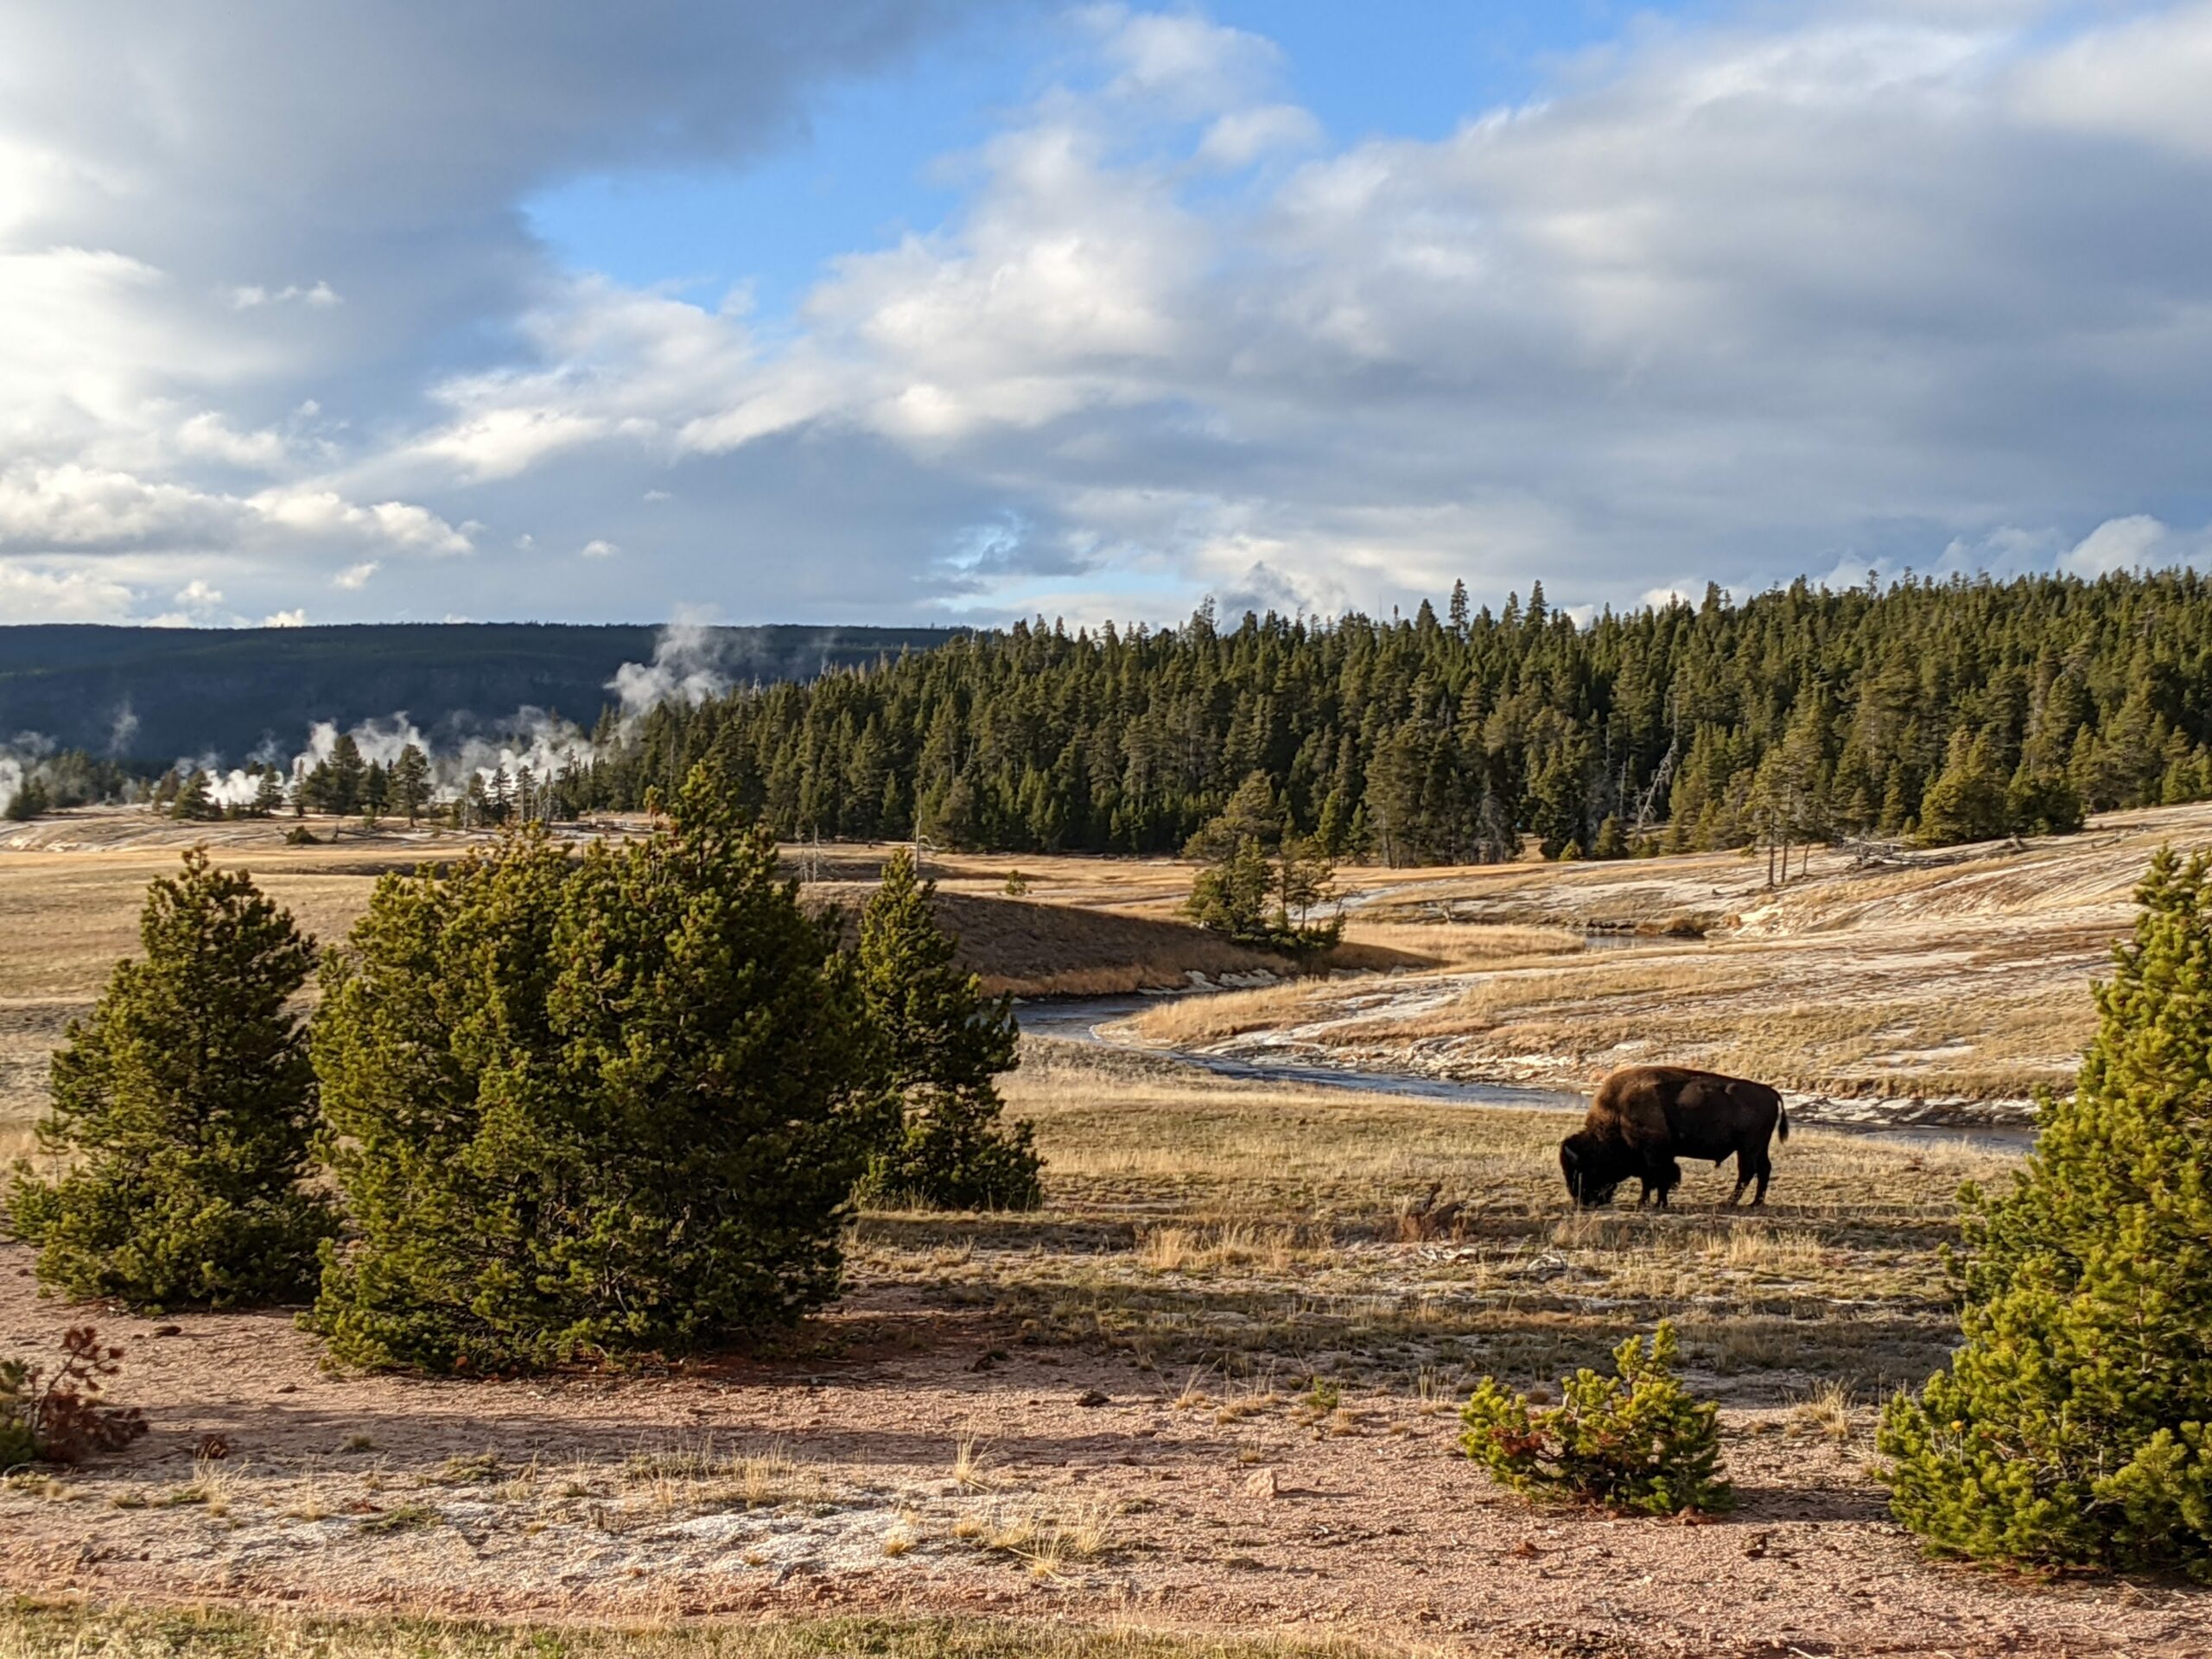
(968, 1471)
(699, 1473)
(1231, 1230)
(1189, 1022)
(1829, 1016)
(1451, 944)
(1827, 1412)
(68, 1630)
(1237, 1244)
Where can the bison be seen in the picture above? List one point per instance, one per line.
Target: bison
(1644, 1117)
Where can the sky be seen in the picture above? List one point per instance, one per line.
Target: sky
(916, 311)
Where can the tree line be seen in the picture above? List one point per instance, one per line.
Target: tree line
(549, 1107)
(1936, 710)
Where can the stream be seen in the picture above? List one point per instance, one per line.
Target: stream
(1079, 1020)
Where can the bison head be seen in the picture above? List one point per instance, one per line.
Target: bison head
(1593, 1169)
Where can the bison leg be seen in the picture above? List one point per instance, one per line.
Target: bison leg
(1753, 1164)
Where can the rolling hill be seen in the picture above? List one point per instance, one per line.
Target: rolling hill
(151, 694)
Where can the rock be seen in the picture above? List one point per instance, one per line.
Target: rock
(1262, 1484)
(1093, 1397)
(169, 1330)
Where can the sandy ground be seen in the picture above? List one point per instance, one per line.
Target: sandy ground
(590, 1497)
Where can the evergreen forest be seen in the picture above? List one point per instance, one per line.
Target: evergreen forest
(1933, 711)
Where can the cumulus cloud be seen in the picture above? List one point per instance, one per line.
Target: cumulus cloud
(1816, 289)
(34, 593)
(2136, 541)
(171, 282)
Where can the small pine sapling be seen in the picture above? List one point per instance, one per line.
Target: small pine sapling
(1637, 1440)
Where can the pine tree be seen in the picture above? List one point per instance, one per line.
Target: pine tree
(1252, 813)
(941, 1046)
(1966, 801)
(2074, 1426)
(590, 1109)
(348, 775)
(376, 792)
(1230, 897)
(1305, 882)
(193, 800)
(188, 1101)
(27, 803)
(410, 783)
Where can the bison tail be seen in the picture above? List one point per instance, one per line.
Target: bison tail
(1781, 1122)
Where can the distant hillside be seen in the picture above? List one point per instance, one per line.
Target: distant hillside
(152, 695)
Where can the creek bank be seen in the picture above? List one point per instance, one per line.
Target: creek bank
(1429, 1069)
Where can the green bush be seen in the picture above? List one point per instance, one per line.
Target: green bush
(2073, 1428)
(590, 1108)
(188, 1103)
(941, 1043)
(1637, 1440)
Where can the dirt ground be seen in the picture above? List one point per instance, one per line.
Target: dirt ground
(1100, 1490)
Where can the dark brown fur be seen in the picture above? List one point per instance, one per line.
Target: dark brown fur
(1644, 1117)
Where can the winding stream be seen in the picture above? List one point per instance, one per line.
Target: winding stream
(1080, 1020)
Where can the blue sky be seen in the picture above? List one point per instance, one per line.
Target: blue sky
(867, 163)
(925, 310)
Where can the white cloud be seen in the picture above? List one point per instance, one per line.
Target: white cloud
(354, 577)
(2134, 542)
(1243, 136)
(598, 548)
(251, 295)
(324, 513)
(293, 619)
(2143, 79)
(31, 593)
(207, 434)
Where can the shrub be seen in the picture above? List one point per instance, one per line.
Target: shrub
(188, 1103)
(940, 1044)
(60, 1419)
(586, 1110)
(1636, 1440)
(2073, 1428)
